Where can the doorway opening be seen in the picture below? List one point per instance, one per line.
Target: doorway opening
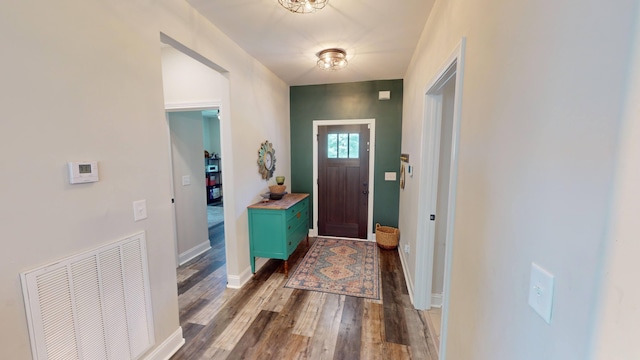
(197, 194)
(196, 104)
(342, 152)
(441, 133)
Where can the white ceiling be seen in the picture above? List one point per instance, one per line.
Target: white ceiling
(378, 35)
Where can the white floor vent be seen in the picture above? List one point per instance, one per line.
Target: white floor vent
(95, 305)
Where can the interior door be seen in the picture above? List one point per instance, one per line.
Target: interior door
(343, 180)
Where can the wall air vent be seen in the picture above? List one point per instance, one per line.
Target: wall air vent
(94, 305)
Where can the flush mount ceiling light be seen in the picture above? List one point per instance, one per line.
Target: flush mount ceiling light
(332, 59)
(303, 6)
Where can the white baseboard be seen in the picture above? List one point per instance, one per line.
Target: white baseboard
(168, 347)
(193, 252)
(313, 232)
(436, 300)
(237, 281)
(405, 270)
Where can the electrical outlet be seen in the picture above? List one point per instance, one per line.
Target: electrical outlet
(407, 248)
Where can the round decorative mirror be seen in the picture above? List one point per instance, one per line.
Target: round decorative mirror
(266, 160)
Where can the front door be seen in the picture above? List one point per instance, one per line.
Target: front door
(343, 180)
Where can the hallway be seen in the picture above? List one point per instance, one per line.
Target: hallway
(264, 320)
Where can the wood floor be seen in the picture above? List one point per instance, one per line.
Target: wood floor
(264, 320)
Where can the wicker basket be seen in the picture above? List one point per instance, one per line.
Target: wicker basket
(387, 237)
(277, 189)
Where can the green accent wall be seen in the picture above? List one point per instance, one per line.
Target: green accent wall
(350, 101)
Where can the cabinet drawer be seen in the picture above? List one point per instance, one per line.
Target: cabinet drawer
(295, 209)
(298, 218)
(297, 234)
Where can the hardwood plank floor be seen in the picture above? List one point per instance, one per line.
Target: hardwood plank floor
(264, 320)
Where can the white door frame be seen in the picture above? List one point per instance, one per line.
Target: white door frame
(372, 145)
(429, 186)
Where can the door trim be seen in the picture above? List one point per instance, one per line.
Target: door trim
(429, 184)
(372, 145)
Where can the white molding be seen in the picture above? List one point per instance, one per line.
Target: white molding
(407, 278)
(453, 180)
(372, 156)
(428, 194)
(238, 281)
(436, 300)
(313, 232)
(193, 252)
(425, 244)
(193, 105)
(169, 346)
(425, 232)
(234, 281)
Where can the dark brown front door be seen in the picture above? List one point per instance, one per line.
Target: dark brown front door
(343, 180)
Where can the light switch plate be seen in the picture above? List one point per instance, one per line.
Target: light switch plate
(139, 210)
(541, 291)
(390, 176)
(186, 180)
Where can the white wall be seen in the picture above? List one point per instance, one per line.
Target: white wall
(541, 107)
(214, 135)
(190, 200)
(83, 81)
(211, 135)
(186, 81)
(619, 315)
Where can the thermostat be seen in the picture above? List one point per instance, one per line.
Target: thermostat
(83, 172)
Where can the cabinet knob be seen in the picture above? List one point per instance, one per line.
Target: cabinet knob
(298, 215)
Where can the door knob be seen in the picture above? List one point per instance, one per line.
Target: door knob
(365, 192)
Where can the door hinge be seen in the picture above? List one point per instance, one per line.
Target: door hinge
(317, 137)
(432, 217)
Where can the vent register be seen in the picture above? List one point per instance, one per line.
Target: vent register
(95, 305)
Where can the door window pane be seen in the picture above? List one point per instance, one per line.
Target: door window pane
(343, 146)
(343, 149)
(332, 141)
(354, 145)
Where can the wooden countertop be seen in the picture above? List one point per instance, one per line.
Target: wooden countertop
(286, 202)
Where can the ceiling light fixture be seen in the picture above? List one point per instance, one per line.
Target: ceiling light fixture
(332, 59)
(303, 6)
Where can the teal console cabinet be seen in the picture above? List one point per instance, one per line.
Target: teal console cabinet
(276, 228)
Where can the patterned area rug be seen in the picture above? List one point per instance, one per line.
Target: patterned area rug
(345, 267)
